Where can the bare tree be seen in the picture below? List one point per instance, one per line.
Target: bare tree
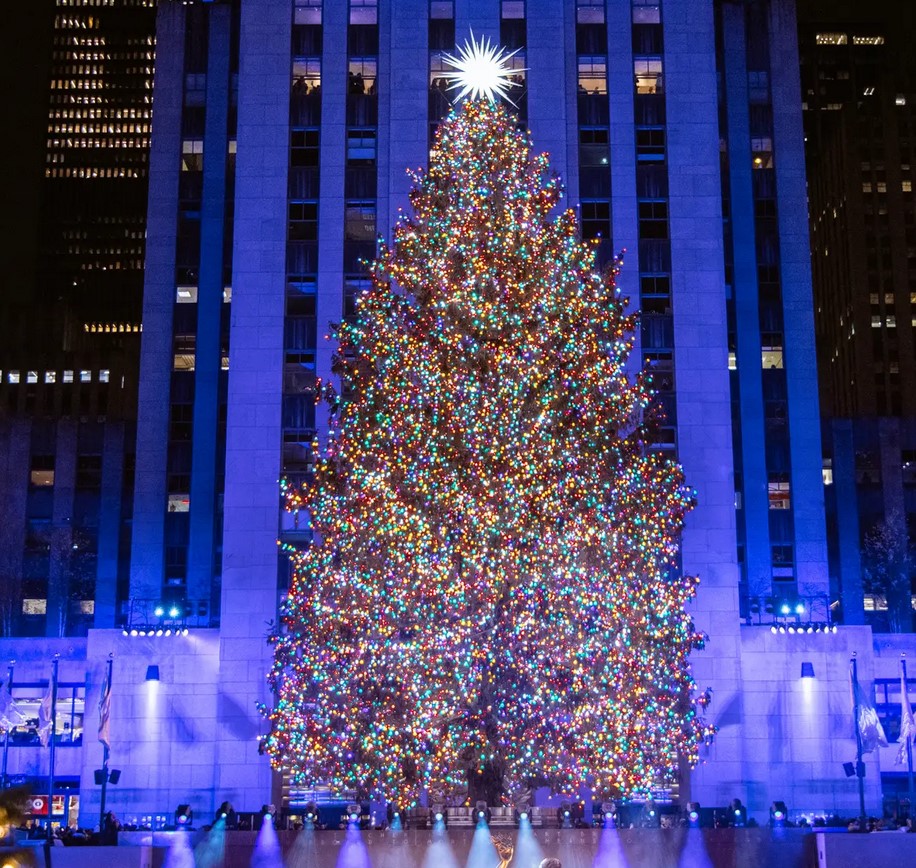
(888, 566)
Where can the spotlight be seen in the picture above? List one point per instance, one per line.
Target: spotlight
(785, 609)
(791, 629)
(437, 815)
(651, 818)
(159, 632)
(807, 670)
(353, 812)
(799, 608)
(604, 815)
(737, 814)
(152, 673)
(168, 632)
(522, 813)
(564, 815)
(693, 814)
(482, 812)
(143, 632)
(227, 813)
(159, 611)
(396, 817)
(125, 633)
(782, 629)
(183, 816)
(772, 629)
(133, 632)
(778, 814)
(183, 632)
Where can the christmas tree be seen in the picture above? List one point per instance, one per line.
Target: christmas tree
(492, 595)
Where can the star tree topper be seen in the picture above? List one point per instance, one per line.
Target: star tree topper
(481, 70)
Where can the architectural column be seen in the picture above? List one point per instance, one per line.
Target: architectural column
(701, 369)
(798, 306)
(208, 357)
(755, 492)
(159, 287)
(253, 437)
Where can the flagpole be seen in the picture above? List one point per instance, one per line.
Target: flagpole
(6, 734)
(54, 664)
(909, 744)
(860, 766)
(105, 755)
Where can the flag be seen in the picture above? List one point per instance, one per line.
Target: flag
(44, 718)
(105, 709)
(907, 725)
(10, 715)
(870, 729)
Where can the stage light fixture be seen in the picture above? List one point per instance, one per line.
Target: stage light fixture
(183, 816)
(737, 814)
(482, 812)
(693, 814)
(564, 815)
(779, 813)
(807, 669)
(158, 611)
(152, 672)
(437, 815)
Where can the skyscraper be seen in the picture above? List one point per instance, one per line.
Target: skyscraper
(281, 135)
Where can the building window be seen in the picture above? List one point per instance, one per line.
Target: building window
(179, 502)
(592, 75)
(361, 75)
(361, 147)
(192, 155)
(186, 294)
(34, 607)
(648, 74)
(827, 471)
(360, 222)
(867, 40)
(512, 9)
(650, 144)
(590, 11)
(441, 9)
(596, 219)
(830, 39)
(71, 700)
(646, 12)
(306, 74)
(50, 376)
(363, 11)
(303, 221)
(307, 12)
(41, 473)
(778, 489)
(85, 376)
(653, 219)
(304, 148)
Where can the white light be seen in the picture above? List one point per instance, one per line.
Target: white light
(481, 70)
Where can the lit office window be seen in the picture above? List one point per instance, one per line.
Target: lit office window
(364, 11)
(648, 74)
(307, 12)
(592, 74)
(646, 12)
(590, 11)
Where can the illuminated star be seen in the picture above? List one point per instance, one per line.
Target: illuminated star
(481, 70)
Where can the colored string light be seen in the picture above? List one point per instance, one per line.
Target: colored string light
(494, 580)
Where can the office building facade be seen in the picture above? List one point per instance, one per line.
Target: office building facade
(281, 138)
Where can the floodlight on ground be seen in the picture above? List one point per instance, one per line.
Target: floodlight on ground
(693, 814)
